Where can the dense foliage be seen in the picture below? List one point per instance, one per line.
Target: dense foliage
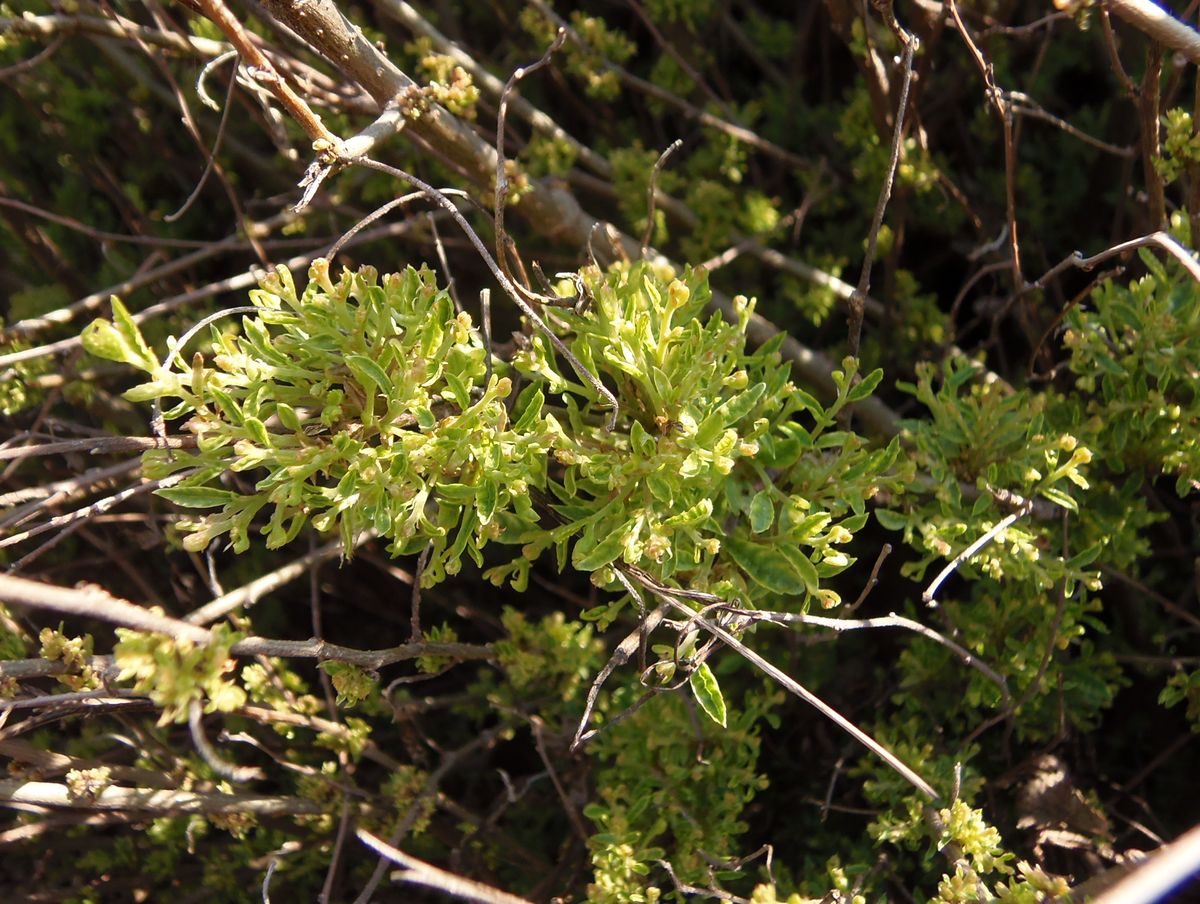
(623, 592)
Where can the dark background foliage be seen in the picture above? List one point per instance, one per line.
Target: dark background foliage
(786, 113)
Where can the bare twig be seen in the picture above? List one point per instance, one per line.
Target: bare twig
(1004, 111)
(249, 594)
(891, 620)
(1159, 25)
(95, 602)
(651, 193)
(117, 27)
(263, 71)
(1025, 105)
(671, 597)
(101, 235)
(418, 872)
(1162, 239)
(216, 762)
(1148, 107)
(34, 61)
(872, 580)
(450, 761)
(501, 196)
(98, 446)
(1161, 872)
(621, 655)
(216, 146)
(153, 800)
(999, 527)
(857, 300)
(810, 698)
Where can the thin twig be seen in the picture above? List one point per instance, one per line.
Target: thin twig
(263, 71)
(1004, 111)
(449, 762)
(1026, 106)
(891, 620)
(98, 445)
(501, 197)
(209, 754)
(670, 596)
(621, 655)
(808, 697)
(999, 527)
(651, 194)
(857, 301)
(418, 872)
(1162, 871)
(34, 61)
(1162, 239)
(216, 147)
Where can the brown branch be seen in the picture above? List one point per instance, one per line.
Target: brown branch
(1004, 111)
(1160, 25)
(97, 603)
(153, 800)
(1148, 112)
(857, 300)
(99, 445)
(263, 71)
(52, 25)
(418, 872)
(91, 601)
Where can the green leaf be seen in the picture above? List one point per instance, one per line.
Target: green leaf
(1087, 557)
(767, 566)
(890, 520)
(691, 515)
(425, 418)
(486, 497)
(258, 432)
(708, 694)
(762, 511)
(198, 497)
(120, 340)
(462, 395)
(601, 554)
(287, 416)
(801, 565)
(529, 414)
(369, 375)
(866, 387)
(1058, 497)
(741, 404)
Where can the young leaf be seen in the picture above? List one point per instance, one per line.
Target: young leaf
(600, 554)
(708, 694)
(765, 565)
(866, 387)
(369, 374)
(120, 340)
(197, 497)
(762, 511)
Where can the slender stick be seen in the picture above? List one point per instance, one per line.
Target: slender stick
(418, 872)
